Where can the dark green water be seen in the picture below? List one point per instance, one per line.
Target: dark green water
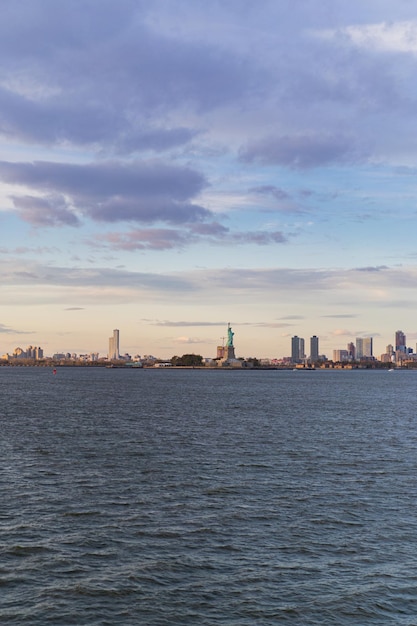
(202, 497)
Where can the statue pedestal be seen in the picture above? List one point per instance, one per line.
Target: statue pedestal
(229, 352)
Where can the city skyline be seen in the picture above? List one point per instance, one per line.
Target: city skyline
(361, 349)
(166, 167)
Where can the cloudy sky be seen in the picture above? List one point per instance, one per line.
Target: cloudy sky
(168, 167)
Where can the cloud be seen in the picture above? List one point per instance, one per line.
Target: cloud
(259, 238)
(370, 268)
(341, 316)
(187, 324)
(300, 151)
(102, 73)
(270, 190)
(188, 340)
(75, 308)
(400, 36)
(272, 325)
(48, 211)
(27, 250)
(146, 239)
(340, 332)
(325, 291)
(190, 234)
(6, 330)
(140, 191)
(234, 280)
(271, 198)
(293, 317)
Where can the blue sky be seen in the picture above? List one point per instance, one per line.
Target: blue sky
(168, 167)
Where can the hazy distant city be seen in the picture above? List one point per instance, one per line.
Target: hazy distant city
(356, 354)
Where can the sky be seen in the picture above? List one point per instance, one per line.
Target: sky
(168, 167)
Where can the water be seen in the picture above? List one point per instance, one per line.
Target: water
(193, 497)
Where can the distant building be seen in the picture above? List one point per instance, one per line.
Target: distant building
(340, 356)
(400, 341)
(351, 351)
(114, 350)
(314, 348)
(31, 352)
(364, 347)
(220, 352)
(368, 347)
(297, 349)
(386, 358)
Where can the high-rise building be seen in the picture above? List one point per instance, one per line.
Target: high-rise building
(364, 347)
(297, 349)
(351, 351)
(114, 351)
(400, 341)
(314, 348)
(368, 347)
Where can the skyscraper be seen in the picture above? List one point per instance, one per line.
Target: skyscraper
(364, 347)
(297, 349)
(351, 351)
(314, 348)
(368, 347)
(400, 341)
(114, 346)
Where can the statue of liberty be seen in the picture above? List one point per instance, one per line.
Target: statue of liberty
(230, 334)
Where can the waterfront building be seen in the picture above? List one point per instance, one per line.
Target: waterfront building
(386, 358)
(31, 352)
(400, 342)
(364, 347)
(114, 350)
(220, 352)
(297, 349)
(314, 348)
(340, 356)
(351, 351)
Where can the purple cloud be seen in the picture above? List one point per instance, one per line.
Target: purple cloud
(153, 239)
(102, 73)
(299, 151)
(167, 239)
(259, 238)
(141, 191)
(51, 211)
(270, 190)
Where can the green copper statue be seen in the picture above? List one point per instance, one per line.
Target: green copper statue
(230, 334)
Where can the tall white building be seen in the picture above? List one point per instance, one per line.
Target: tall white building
(114, 350)
(364, 347)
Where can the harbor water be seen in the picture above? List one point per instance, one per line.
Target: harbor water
(192, 497)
